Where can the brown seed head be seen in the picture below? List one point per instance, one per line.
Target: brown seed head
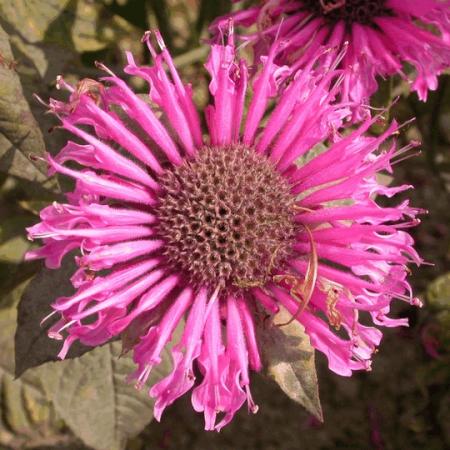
(226, 217)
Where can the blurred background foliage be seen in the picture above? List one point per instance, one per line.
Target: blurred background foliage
(404, 403)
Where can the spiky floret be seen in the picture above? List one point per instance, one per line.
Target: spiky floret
(339, 252)
(381, 36)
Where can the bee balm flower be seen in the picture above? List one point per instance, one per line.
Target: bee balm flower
(169, 223)
(382, 35)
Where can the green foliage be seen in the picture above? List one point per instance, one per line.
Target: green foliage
(20, 135)
(27, 413)
(33, 347)
(91, 396)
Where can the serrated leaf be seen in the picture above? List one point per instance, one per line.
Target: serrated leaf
(19, 133)
(33, 346)
(289, 360)
(92, 396)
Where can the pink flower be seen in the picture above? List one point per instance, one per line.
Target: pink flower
(168, 222)
(382, 36)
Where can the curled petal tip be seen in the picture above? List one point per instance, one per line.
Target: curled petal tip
(146, 36)
(54, 335)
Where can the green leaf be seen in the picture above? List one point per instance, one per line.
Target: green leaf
(13, 243)
(91, 395)
(289, 360)
(13, 276)
(33, 346)
(27, 415)
(42, 30)
(32, 17)
(20, 136)
(49, 34)
(53, 37)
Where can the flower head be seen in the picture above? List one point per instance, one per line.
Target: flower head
(382, 36)
(168, 222)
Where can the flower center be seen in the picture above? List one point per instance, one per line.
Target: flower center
(226, 217)
(360, 11)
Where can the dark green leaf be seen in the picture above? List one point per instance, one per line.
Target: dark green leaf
(33, 347)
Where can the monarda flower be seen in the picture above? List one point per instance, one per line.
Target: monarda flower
(382, 36)
(222, 228)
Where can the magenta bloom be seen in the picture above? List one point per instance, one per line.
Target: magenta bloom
(168, 222)
(382, 35)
